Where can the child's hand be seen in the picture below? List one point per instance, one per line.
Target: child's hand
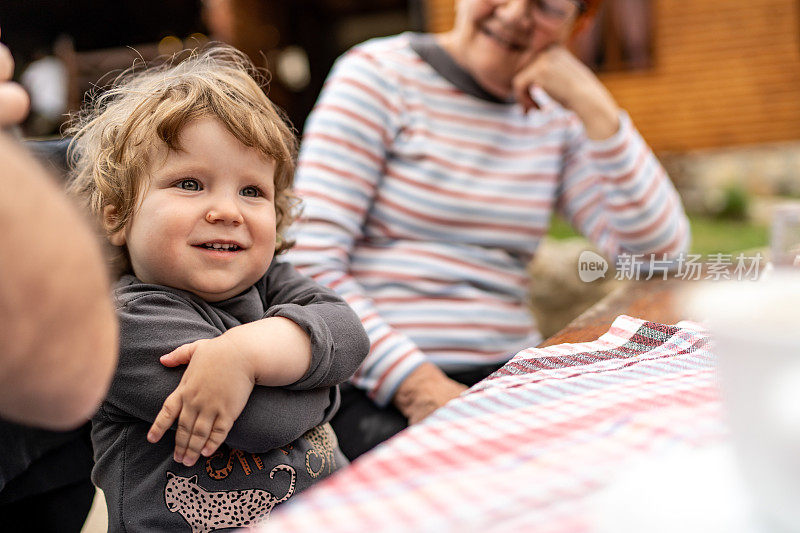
(210, 397)
(221, 374)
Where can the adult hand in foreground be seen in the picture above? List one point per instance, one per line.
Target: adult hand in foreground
(14, 101)
(59, 332)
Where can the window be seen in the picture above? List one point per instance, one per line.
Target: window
(619, 37)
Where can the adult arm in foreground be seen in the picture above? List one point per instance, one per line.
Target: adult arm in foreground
(59, 332)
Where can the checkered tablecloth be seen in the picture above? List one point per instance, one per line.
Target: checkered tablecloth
(527, 448)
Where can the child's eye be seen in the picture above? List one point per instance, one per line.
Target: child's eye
(189, 184)
(252, 192)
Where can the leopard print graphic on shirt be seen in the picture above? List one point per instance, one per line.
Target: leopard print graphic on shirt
(323, 443)
(207, 511)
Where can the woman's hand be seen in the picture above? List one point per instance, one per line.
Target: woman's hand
(573, 85)
(424, 390)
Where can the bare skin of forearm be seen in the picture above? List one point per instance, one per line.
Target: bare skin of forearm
(59, 331)
(278, 350)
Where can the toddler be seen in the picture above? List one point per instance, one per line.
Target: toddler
(229, 360)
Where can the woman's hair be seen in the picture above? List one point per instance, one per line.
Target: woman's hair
(590, 5)
(588, 11)
(119, 131)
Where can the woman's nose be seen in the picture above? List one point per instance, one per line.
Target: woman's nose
(516, 11)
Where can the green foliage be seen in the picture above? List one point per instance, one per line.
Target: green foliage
(735, 202)
(717, 235)
(561, 229)
(709, 235)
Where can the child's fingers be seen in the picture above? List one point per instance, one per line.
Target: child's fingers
(179, 356)
(166, 417)
(186, 423)
(200, 432)
(217, 437)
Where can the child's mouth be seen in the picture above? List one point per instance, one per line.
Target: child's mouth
(220, 247)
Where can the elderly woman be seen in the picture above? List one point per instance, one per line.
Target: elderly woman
(430, 168)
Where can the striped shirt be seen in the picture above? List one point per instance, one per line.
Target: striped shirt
(424, 203)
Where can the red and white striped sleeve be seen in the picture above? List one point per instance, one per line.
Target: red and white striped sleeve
(616, 193)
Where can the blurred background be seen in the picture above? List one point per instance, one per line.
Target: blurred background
(65, 48)
(713, 86)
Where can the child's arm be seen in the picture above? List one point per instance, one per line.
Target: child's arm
(155, 323)
(310, 339)
(339, 343)
(220, 377)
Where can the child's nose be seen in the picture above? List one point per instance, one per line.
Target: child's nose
(226, 211)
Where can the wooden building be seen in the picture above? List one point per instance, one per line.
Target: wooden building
(723, 73)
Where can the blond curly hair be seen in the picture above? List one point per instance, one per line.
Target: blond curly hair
(117, 133)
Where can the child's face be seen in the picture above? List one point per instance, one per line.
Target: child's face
(206, 221)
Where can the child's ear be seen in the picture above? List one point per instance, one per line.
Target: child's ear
(109, 221)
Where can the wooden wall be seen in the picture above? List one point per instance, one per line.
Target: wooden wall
(725, 73)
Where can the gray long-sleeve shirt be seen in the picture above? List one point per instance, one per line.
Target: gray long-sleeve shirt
(279, 445)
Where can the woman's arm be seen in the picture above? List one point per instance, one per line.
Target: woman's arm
(613, 189)
(617, 194)
(346, 142)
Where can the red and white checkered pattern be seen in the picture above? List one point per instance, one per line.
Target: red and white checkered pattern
(527, 448)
